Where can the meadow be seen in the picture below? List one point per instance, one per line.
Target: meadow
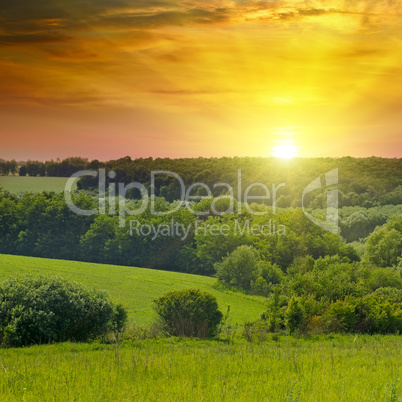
(21, 184)
(331, 368)
(280, 368)
(135, 288)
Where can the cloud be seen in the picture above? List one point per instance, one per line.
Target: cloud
(188, 91)
(40, 37)
(62, 20)
(312, 12)
(167, 18)
(25, 22)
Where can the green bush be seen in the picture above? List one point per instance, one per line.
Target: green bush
(295, 317)
(41, 309)
(271, 273)
(330, 278)
(189, 312)
(384, 278)
(275, 314)
(373, 313)
(240, 268)
(390, 293)
(341, 317)
(384, 245)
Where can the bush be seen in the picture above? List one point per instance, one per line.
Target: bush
(271, 273)
(36, 310)
(275, 314)
(373, 313)
(295, 315)
(189, 312)
(330, 278)
(384, 245)
(390, 293)
(240, 268)
(257, 331)
(384, 278)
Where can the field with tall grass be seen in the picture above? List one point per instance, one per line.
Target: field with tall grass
(20, 184)
(331, 368)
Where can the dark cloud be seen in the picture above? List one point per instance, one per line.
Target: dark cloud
(187, 92)
(27, 21)
(42, 37)
(168, 18)
(43, 9)
(283, 16)
(41, 21)
(313, 12)
(71, 101)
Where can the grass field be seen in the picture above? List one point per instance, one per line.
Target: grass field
(318, 368)
(20, 184)
(338, 368)
(134, 287)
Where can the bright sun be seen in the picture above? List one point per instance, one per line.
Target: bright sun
(285, 151)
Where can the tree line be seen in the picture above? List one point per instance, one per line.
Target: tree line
(42, 225)
(365, 182)
(57, 168)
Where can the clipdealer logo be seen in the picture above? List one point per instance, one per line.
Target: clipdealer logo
(114, 197)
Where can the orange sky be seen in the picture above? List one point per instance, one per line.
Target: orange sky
(108, 78)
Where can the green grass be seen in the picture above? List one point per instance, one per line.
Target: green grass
(341, 368)
(20, 184)
(319, 368)
(135, 287)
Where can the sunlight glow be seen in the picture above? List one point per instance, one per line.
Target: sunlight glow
(285, 151)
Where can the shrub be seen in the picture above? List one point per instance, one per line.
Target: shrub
(331, 278)
(189, 312)
(315, 325)
(260, 286)
(119, 319)
(35, 310)
(384, 245)
(295, 315)
(341, 316)
(373, 313)
(275, 314)
(257, 331)
(239, 268)
(390, 293)
(271, 273)
(384, 278)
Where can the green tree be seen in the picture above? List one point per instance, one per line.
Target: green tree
(384, 246)
(23, 171)
(239, 268)
(94, 242)
(294, 315)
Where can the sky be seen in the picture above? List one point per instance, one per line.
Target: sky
(170, 78)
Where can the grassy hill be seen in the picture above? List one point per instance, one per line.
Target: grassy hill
(134, 287)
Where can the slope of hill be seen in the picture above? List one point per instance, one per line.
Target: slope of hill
(134, 287)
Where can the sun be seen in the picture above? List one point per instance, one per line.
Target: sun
(285, 151)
